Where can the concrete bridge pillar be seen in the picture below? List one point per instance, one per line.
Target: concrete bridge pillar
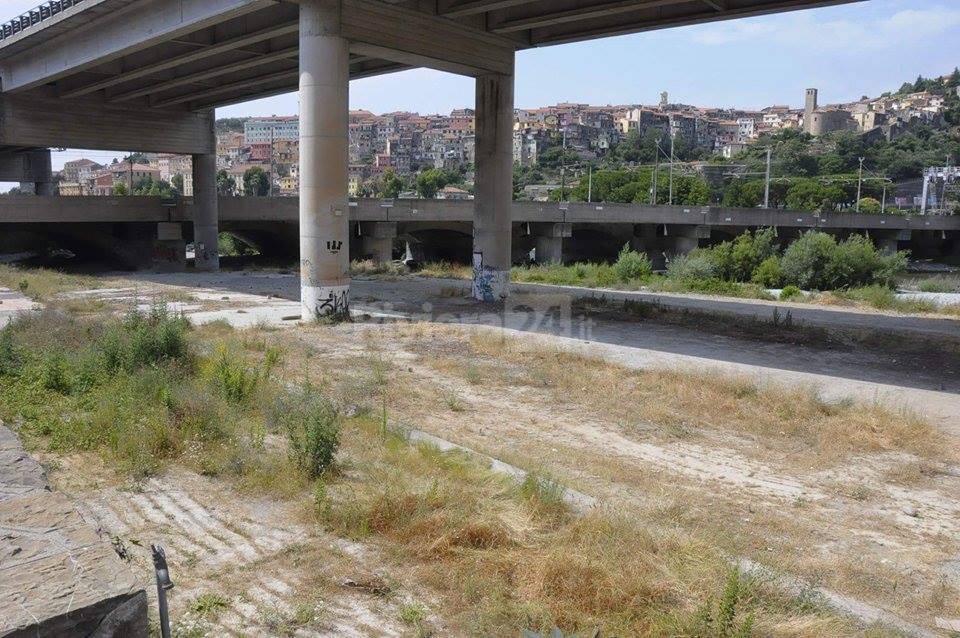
(377, 240)
(889, 241)
(492, 230)
(324, 218)
(206, 222)
(41, 167)
(549, 241)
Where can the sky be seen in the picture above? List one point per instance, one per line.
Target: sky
(864, 48)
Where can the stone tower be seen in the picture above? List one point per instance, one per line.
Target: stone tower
(809, 107)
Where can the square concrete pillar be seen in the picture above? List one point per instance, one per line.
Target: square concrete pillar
(324, 119)
(492, 233)
(377, 240)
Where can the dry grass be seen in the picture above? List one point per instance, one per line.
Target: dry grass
(688, 401)
(41, 284)
(506, 559)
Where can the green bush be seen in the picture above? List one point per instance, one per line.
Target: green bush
(805, 261)
(632, 265)
(9, 357)
(232, 377)
(312, 424)
(869, 206)
(816, 261)
(790, 292)
(934, 284)
(697, 265)
(144, 339)
(768, 273)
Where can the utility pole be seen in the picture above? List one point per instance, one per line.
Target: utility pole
(273, 129)
(656, 174)
(563, 168)
(859, 183)
(883, 204)
(766, 190)
(672, 137)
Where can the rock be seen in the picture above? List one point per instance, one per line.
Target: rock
(911, 511)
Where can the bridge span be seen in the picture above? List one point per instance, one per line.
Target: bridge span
(438, 229)
(145, 75)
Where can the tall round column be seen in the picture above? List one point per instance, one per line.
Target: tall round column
(324, 118)
(206, 214)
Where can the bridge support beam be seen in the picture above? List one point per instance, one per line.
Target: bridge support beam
(492, 233)
(324, 212)
(206, 215)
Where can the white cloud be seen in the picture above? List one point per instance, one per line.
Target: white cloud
(805, 30)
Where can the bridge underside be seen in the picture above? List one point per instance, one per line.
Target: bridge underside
(144, 232)
(147, 74)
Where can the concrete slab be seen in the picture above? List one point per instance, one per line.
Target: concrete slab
(12, 304)
(58, 577)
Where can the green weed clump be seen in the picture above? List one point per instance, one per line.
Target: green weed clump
(632, 265)
(312, 424)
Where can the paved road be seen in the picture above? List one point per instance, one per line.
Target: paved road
(822, 316)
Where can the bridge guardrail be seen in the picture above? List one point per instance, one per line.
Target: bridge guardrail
(35, 16)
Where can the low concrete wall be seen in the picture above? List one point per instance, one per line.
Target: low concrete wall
(58, 578)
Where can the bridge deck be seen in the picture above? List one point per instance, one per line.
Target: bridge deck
(30, 209)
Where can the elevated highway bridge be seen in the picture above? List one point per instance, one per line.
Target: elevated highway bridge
(146, 75)
(440, 229)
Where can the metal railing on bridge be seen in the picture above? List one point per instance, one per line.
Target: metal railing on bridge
(35, 16)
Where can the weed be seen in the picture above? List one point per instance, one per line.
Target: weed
(312, 424)
(232, 377)
(453, 401)
(413, 613)
(209, 605)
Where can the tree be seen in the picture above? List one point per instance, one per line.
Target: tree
(389, 186)
(177, 182)
(255, 182)
(869, 206)
(432, 180)
(226, 185)
(954, 80)
(120, 189)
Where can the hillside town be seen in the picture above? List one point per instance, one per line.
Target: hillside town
(260, 156)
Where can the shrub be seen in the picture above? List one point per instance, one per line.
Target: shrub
(805, 261)
(749, 251)
(869, 206)
(697, 265)
(144, 339)
(230, 374)
(790, 292)
(606, 276)
(934, 284)
(632, 265)
(312, 424)
(816, 260)
(768, 273)
(9, 357)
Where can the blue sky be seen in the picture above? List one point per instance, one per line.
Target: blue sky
(847, 51)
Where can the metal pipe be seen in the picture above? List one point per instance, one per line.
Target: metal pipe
(164, 584)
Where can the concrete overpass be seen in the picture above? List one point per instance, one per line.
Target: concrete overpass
(146, 74)
(125, 227)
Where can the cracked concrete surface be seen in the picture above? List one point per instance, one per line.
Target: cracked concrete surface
(57, 576)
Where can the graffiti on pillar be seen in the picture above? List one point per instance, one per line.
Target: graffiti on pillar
(334, 246)
(489, 284)
(336, 304)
